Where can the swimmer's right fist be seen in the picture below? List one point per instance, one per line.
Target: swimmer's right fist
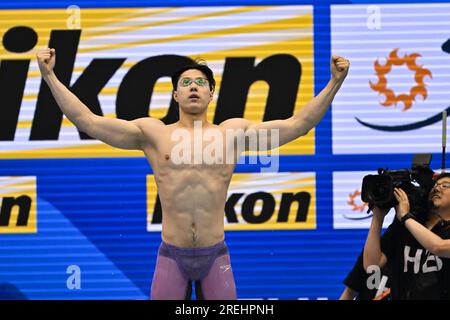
(46, 60)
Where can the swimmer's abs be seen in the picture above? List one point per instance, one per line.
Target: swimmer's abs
(192, 235)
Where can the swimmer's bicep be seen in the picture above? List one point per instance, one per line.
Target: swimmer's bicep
(268, 134)
(279, 131)
(118, 133)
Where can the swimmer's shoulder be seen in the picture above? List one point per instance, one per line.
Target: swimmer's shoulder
(149, 123)
(235, 123)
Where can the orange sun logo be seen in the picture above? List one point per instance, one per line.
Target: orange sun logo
(351, 202)
(381, 86)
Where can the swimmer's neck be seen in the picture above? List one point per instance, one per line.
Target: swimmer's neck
(190, 121)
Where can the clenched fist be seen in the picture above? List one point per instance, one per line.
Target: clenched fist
(339, 67)
(46, 60)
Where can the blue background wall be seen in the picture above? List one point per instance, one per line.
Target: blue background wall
(87, 217)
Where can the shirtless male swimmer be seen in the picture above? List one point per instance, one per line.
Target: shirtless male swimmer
(192, 193)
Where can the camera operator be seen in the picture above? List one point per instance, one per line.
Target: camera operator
(417, 250)
(358, 283)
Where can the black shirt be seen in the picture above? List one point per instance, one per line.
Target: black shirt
(416, 273)
(412, 272)
(357, 280)
(358, 277)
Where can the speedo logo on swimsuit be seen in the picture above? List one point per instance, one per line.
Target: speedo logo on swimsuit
(18, 205)
(257, 201)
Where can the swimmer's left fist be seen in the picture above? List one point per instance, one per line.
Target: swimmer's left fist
(339, 67)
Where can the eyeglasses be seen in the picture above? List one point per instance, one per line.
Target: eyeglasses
(443, 186)
(201, 82)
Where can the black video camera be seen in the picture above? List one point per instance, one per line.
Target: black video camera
(378, 190)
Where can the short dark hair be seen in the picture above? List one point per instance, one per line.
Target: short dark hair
(436, 178)
(198, 65)
(441, 175)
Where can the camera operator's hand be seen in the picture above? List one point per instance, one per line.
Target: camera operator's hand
(403, 203)
(379, 213)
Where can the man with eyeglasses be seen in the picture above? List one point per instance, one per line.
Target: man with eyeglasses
(192, 193)
(418, 252)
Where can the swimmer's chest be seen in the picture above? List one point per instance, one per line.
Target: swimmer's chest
(203, 156)
(167, 162)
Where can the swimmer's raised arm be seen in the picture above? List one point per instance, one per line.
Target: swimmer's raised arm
(115, 132)
(307, 117)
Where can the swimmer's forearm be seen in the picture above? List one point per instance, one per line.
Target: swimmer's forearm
(70, 105)
(311, 114)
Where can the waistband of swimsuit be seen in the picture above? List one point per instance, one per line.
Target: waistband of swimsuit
(216, 246)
